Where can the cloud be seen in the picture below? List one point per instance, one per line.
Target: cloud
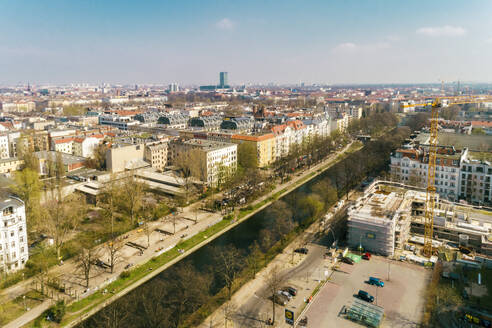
(225, 24)
(347, 46)
(350, 47)
(446, 30)
(489, 40)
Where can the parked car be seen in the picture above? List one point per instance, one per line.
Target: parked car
(292, 291)
(366, 256)
(285, 293)
(347, 260)
(376, 282)
(280, 299)
(363, 295)
(302, 250)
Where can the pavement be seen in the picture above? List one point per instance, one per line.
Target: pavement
(402, 296)
(69, 275)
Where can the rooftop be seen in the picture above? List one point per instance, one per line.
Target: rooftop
(460, 141)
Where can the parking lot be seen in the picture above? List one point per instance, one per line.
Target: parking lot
(402, 296)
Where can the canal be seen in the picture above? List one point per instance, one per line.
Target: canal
(150, 305)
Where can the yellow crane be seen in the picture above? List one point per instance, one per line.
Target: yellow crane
(431, 168)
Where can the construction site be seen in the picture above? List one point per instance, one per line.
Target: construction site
(389, 220)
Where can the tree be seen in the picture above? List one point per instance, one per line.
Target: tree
(98, 160)
(418, 121)
(28, 187)
(254, 257)
(109, 198)
(187, 291)
(60, 218)
(247, 155)
(25, 152)
(274, 282)
(41, 266)
(133, 192)
(230, 263)
(85, 261)
(186, 163)
(326, 191)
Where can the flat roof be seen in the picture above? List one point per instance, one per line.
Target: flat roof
(459, 141)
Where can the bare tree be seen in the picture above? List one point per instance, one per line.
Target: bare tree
(61, 217)
(254, 257)
(229, 261)
(133, 192)
(274, 282)
(113, 248)
(85, 262)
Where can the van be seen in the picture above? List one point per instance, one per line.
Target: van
(376, 281)
(363, 295)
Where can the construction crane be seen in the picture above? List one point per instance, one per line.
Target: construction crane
(431, 168)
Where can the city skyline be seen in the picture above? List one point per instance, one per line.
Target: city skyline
(281, 42)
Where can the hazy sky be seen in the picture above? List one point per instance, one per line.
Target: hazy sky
(255, 41)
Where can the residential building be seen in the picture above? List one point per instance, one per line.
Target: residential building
(63, 145)
(120, 122)
(409, 165)
(476, 175)
(237, 124)
(10, 165)
(264, 145)
(156, 155)
(84, 146)
(122, 157)
(215, 160)
(4, 146)
(13, 234)
(207, 123)
(177, 121)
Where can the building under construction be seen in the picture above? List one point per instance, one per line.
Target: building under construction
(390, 215)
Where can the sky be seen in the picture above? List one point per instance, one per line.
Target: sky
(256, 41)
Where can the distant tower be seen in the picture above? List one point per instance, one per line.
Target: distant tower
(224, 83)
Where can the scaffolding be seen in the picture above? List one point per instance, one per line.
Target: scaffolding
(365, 313)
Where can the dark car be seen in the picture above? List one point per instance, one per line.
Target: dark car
(302, 250)
(291, 290)
(347, 260)
(363, 295)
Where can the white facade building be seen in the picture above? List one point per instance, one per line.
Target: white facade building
(84, 147)
(4, 146)
(13, 234)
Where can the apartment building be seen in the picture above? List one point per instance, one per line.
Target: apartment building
(409, 165)
(13, 234)
(215, 160)
(4, 146)
(84, 146)
(63, 145)
(121, 157)
(156, 155)
(120, 122)
(10, 165)
(264, 145)
(476, 175)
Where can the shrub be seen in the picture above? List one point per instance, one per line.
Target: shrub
(124, 274)
(56, 312)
